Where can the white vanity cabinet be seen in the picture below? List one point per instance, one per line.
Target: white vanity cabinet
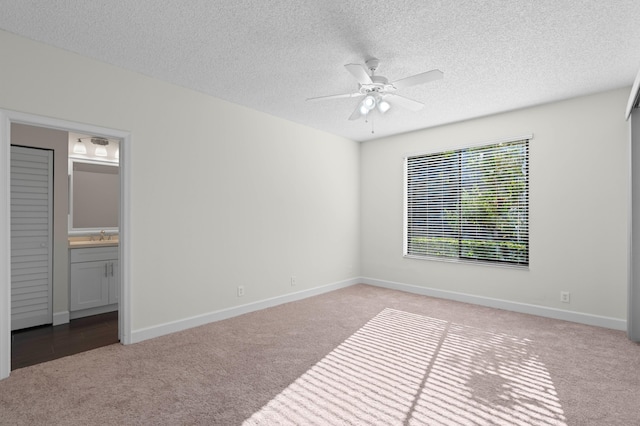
(94, 280)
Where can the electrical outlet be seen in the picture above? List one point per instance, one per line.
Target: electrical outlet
(240, 290)
(565, 297)
(293, 281)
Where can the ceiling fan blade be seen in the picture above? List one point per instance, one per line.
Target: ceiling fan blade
(343, 95)
(407, 103)
(356, 112)
(424, 77)
(359, 72)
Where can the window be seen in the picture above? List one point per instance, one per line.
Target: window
(470, 204)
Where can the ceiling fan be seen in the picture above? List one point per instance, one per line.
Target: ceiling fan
(376, 91)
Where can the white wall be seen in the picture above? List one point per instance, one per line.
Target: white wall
(225, 196)
(579, 185)
(221, 195)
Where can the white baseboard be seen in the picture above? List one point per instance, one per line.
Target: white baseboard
(60, 318)
(195, 321)
(578, 317)
(198, 320)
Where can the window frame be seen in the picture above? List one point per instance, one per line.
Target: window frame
(475, 145)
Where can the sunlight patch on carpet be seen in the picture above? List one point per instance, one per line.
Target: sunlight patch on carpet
(407, 369)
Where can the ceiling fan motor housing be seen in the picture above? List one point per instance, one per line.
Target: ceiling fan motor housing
(379, 84)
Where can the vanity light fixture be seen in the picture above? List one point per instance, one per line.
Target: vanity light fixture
(101, 148)
(101, 151)
(79, 148)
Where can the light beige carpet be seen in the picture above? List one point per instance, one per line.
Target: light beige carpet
(360, 355)
(403, 368)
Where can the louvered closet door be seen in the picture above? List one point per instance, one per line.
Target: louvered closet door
(31, 237)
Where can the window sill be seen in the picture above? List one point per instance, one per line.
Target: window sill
(468, 262)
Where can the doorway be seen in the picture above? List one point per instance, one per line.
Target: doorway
(10, 117)
(57, 310)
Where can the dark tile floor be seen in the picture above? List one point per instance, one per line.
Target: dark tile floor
(45, 343)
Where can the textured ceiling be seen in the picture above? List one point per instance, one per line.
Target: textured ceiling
(272, 55)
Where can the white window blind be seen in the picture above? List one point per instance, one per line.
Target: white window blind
(470, 204)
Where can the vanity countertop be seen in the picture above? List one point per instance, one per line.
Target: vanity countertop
(93, 241)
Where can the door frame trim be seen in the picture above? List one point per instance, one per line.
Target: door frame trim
(8, 117)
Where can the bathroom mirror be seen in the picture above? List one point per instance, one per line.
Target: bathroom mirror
(94, 196)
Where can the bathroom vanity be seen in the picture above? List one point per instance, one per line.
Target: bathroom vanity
(94, 277)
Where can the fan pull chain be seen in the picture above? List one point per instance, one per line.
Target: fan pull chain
(366, 120)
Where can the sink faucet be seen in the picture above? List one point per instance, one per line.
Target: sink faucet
(102, 235)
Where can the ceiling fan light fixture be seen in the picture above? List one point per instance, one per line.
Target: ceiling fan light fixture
(383, 106)
(369, 102)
